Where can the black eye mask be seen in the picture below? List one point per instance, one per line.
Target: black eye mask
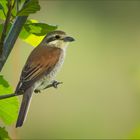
(51, 39)
(57, 37)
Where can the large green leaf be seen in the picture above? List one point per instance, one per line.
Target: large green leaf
(39, 29)
(8, 107)
(31, 39)
(33, 32)
(30, 7)
(4, 134)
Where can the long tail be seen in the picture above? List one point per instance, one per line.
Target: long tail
(24, 107)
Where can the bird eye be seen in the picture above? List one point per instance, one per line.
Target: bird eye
(57, 37)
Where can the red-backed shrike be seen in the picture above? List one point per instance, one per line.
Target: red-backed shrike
(41, 67)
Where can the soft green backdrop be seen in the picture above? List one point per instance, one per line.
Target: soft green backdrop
(100, 97)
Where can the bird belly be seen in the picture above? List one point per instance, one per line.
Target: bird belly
(49, 78)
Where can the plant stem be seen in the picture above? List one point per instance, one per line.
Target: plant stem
(11, 38)
(5, 27)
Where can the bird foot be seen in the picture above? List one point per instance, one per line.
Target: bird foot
(37, 91)
(56, 83)
(53, 84)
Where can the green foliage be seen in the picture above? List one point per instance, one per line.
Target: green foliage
(31, 7)
(33, 32)
(8, 107)
(20, 1)
(24, 34)
(3, 8)
(3, 82)
(39, 29)
(29, 38)
(4, 134)
(1, 27)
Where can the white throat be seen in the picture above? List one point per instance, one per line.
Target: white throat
(59, 44)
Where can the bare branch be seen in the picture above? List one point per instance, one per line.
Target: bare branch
(54, 84)
(8, 96)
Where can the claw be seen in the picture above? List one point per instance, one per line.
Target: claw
(56, 83)
(37, 91)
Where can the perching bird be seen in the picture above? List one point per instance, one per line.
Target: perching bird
(40, 68)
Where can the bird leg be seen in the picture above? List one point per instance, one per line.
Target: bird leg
(37, 91)
(53, 84)
(56, 83)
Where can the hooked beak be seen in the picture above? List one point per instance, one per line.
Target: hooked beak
(68, 39)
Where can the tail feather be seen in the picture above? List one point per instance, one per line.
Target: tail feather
(24, 107)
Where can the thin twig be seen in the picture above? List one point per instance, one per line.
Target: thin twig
(8, 96)
(13, 94)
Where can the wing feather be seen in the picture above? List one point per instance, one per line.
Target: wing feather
(41, 61)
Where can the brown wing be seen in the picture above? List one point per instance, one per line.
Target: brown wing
(41, 61)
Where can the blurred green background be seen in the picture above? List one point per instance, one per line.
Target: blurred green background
(100, 97)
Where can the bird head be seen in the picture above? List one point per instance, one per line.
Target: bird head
(57, 39)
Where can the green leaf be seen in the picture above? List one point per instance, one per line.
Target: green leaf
(33, 32)
(24, 34)
(14, 12)
(8, 107)
(39, 29)
(3, 82)
(3, 7)
(31, 39)
(4, 134)
(30, 7)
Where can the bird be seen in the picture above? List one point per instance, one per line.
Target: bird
(41, 68)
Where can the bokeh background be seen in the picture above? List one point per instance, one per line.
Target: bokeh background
(100, 97)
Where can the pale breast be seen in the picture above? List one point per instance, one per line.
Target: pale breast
(48, 78)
